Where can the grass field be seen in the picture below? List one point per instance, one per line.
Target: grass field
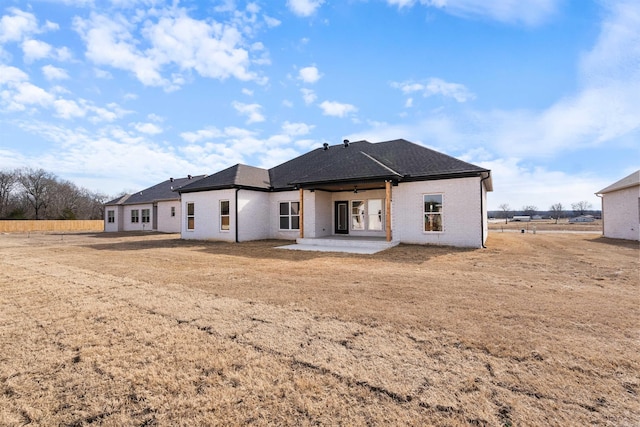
(147, 329)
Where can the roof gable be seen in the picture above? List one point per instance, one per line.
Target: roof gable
(165, 190)
(235, 176)
(362, 160)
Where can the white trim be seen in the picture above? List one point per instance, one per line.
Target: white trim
(441, 213)
(220, 215)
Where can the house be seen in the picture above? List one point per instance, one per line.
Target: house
(155, 208)
(582, 218)
(621, 208)
(395, 191)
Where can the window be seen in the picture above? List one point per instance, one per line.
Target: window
(289, 215)
(224, 215)
(367, 214)
(433, 212)
(146, 215)
(173, 211)
(111, 216)
(357, 215)
(191, 217)
(135, 216)
(374, 210)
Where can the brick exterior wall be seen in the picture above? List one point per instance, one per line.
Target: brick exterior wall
(620, 213)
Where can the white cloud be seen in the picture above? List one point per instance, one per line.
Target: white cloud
(605, 108)
(271, 22)
(17, 93)
(110, 42)
(296, 129)
(309, 74)
(10, 75)
(35, 49)
(170, 40)
(211, 49)
(147, 128)
(337, 109)
(54, 73)
(14, 27)
(201, 135)
(527, 12)
(102, 153)
(155, 118)
(436, 86)
(304, 7)
(308, 95)
(68, 109)
(252, 111)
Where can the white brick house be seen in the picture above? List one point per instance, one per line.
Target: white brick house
(394, 190)
(621, 208)
(156, 208)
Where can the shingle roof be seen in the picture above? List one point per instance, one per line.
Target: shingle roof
(166, 190)
(235, 176)
(398, 160)
(627, 181)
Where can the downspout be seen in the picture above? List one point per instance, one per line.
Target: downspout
(601, 210)
(236, 221)
(482, 210)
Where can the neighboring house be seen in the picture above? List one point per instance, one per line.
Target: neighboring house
(583, 218)
(395, 190)
(621, 208)
(155, 208)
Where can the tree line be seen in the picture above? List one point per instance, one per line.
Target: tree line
(556, 211)
(27, 193)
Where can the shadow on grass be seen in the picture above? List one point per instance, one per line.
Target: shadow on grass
(267, 249)
(621, 243)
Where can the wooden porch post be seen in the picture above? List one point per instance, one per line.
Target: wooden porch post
(301, 213)
(387, 208)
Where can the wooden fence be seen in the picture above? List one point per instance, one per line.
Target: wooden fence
(23, 226)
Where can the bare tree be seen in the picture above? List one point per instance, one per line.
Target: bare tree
(529, 210)
(37, 185)
(8, 180)
(556, 211)
(65, 200)
(505, 209)
(581, 207)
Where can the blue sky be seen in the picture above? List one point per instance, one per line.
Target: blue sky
(121, 94)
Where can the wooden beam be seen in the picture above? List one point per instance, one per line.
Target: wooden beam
(301, 213)
(387, 207)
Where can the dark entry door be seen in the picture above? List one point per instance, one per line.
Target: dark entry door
(342, 217)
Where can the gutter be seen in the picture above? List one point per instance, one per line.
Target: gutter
(482, 210)
(601, 196)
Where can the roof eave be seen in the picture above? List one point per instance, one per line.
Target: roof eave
(298, 184)
(223, 187)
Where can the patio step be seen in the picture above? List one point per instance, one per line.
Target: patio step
(347, 243)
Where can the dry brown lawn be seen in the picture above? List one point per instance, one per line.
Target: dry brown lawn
(147, 329)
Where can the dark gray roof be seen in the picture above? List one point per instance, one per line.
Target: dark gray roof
(118, 200)
(237, 176)
(166, 190)
(397, 160)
